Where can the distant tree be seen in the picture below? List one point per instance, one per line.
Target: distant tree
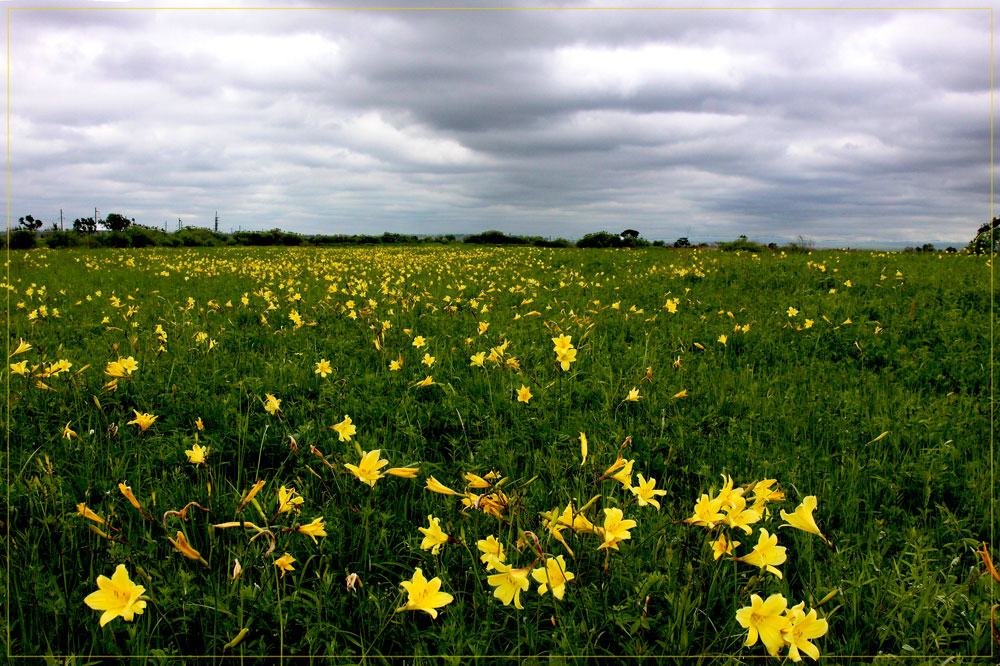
(986, 238)
(682, 242)
(629, 233)
(951, 250)
(927, 247)
(29, 223)
(84, 225)
(116, 222)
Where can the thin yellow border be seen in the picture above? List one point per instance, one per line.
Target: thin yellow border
(415, 9)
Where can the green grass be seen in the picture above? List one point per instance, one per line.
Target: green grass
(782, 401)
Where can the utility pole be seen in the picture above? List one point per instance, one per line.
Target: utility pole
(60, 220)
(179, 225)
(216, 221)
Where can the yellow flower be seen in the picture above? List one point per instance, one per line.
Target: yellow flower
(633, 395)
(426, 381)
(766, 554)
(583, 449)
(67, 433)
(314, 529)
(562, 343)
(273, 405)
(434, 537)
(198, 424)
(477, 482)
(763, 492)
(553, 577)
(792, 311)
(564, 357)
(287, 500)
(196, 454)
(437, 487)
(185, 548)
(738, 516)
(766, 620)
(482, 327)
(428, 360)
(621, 471)
(524, 394)
(803, 519)
(323, 368)
(117, 596)
(19, 368)
(800, 629)
(84, 512)
(706, 512)
(115, 369)
(143, 420)
(722, 340)
(477, 359)
(250, 495)
(22, 347)
(424, 595)
(681, 394)
(722, 547)
(367, 470)
(397, 364)
(646, 494)
(509, 582)
(285, 563)
(490, 548)
(616, 528)
(345, 429)
(403, 472)
(419, 341)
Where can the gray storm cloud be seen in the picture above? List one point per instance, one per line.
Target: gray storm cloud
(840, 124)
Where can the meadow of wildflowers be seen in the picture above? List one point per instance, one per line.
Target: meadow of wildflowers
(493, 454)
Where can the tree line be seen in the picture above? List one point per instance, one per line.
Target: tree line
(121, 231)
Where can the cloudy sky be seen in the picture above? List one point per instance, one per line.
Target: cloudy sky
(844, 125)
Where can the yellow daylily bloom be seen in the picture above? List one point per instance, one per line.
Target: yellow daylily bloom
(802, 518)
(434, 536)
(345, 430)
(117, 596)
(423, 594)
(616, 528)
(185, 548)
(646, 493)
(490, 548)
(722, 546)
(84, 512)
(196, 454)
(766, 554)
(803, 627)
(765, 620)
(287, 500)
(367, 470)
(553, 576)
(314, 529)
(143, 420)
(436, 486)
(403, 472)
(285, 563)
(508, 581)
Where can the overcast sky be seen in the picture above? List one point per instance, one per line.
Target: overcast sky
(845, 124)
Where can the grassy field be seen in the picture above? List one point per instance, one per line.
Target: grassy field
(858, 379)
